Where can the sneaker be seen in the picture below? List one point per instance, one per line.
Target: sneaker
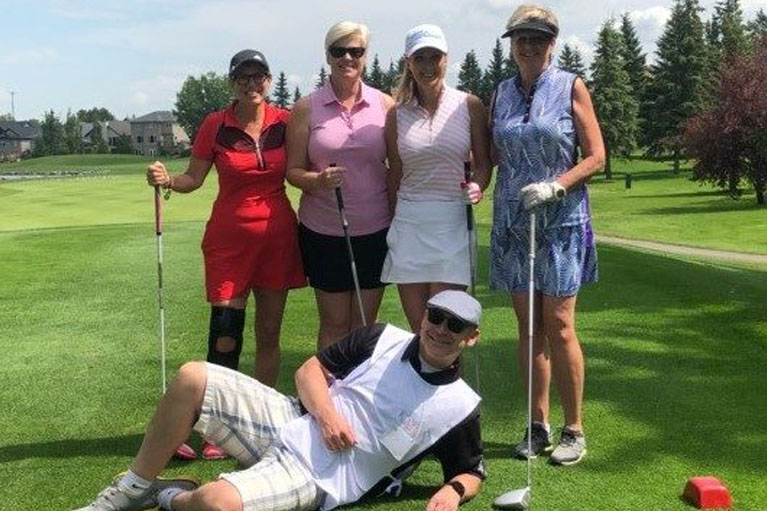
(116, 498)
(539, 443)
(185, 453)
(571, 448)
(211, 451)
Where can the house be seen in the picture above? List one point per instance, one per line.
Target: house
(17, 138)
(158, 132)
(111, 131)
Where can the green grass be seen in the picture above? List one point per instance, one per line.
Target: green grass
(675, 353)
(673, 209)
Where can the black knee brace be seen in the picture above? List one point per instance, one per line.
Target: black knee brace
(225, 322)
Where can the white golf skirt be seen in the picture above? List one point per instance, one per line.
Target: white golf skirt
(428, 242)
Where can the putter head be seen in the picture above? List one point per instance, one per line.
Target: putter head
(513, 499)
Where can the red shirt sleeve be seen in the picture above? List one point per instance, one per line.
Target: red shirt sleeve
(205, 140)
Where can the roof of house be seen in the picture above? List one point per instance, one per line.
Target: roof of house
(27, 130)
(158, 116)
(108, 128)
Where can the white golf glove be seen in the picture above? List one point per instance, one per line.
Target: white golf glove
(537, 194)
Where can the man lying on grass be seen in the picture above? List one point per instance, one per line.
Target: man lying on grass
(373, 403)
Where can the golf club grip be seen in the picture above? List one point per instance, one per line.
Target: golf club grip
(340, 198)
(469, 211)
(157, 210)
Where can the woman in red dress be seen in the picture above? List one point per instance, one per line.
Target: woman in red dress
(250, 242)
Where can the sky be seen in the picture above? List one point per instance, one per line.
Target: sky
(132, 56)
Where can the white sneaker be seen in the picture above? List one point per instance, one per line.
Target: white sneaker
(115, 498)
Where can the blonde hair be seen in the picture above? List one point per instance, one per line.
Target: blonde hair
(345, 29)
(406, 89)
(532, 12)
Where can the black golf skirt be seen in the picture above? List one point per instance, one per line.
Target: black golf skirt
(327, 264)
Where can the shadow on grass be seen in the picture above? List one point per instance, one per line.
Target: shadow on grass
(126, 445)
(711, 207)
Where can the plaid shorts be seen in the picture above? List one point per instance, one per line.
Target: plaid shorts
(243, 417)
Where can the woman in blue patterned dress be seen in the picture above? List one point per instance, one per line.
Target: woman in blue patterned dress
(540, 119)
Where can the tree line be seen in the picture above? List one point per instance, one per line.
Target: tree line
(66, 137)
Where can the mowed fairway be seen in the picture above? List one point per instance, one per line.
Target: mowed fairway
(675, 351)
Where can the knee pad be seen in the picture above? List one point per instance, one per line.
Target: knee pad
(225, 322)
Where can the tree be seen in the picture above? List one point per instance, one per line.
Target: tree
(634, 62)
(98, 144)
(677, 91)
(296, 95)
(614, 100)
(571, 60)
(470, 76)
(73, 137)
(51, 139)
(94, 115)
(511, 67)
(6, 117)
(391, 77)
(321, 78)
(757, 28)
(123, 145)
(198, 97)
(727, 37)
(729, 139)
(494, 74)
(376, 75)
(281, 92)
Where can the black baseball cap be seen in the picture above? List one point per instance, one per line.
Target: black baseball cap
(245, 56)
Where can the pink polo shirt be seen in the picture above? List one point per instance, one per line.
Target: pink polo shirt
(353, 139)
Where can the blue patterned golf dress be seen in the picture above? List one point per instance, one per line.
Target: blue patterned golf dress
(536, 141)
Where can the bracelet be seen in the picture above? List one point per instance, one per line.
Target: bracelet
(459, 488)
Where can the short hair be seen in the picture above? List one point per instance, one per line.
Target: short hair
(531, 12)
(344, 29)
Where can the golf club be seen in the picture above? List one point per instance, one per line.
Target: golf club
(158, 232)
(520, 498)
(472, 261)
(345, 225)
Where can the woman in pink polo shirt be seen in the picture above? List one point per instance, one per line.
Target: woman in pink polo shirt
(336, 139)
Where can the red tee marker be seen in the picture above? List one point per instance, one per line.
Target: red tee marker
(707, 492)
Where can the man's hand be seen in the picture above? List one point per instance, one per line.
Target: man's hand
(543, 192)
(446, 499)
(336, 432)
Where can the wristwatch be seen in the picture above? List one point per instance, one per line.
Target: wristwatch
(459, 488)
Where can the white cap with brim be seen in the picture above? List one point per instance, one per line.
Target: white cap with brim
(424, 36)
(458, 303)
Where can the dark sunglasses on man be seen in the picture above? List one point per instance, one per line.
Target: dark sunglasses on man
(437, 316)
(354, 52)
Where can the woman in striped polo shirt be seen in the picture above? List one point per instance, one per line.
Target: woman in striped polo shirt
(432, 130)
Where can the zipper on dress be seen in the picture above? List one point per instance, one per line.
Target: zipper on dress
(259, 155)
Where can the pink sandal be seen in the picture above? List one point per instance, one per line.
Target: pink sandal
(185, 453)
(211, 451)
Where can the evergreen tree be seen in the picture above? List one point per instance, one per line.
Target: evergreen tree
(321, 78)
(571, 60)
(198, 97)
(510, 66)
(634, 64)
(757, 28)
(98, 144)
(281, 92)
(376, 76)
(470, 76)
(51, 140)
(614, 100)
(494, 74)
(296, 95)
(123, 145)
(72, 134)
(391, 77)
(727, 36)
(680, 79)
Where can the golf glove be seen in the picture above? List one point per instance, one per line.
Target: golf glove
(537, 194)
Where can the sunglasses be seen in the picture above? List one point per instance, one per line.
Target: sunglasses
(532, 40)
(354, 52)
(454, 324)
(257, 78)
